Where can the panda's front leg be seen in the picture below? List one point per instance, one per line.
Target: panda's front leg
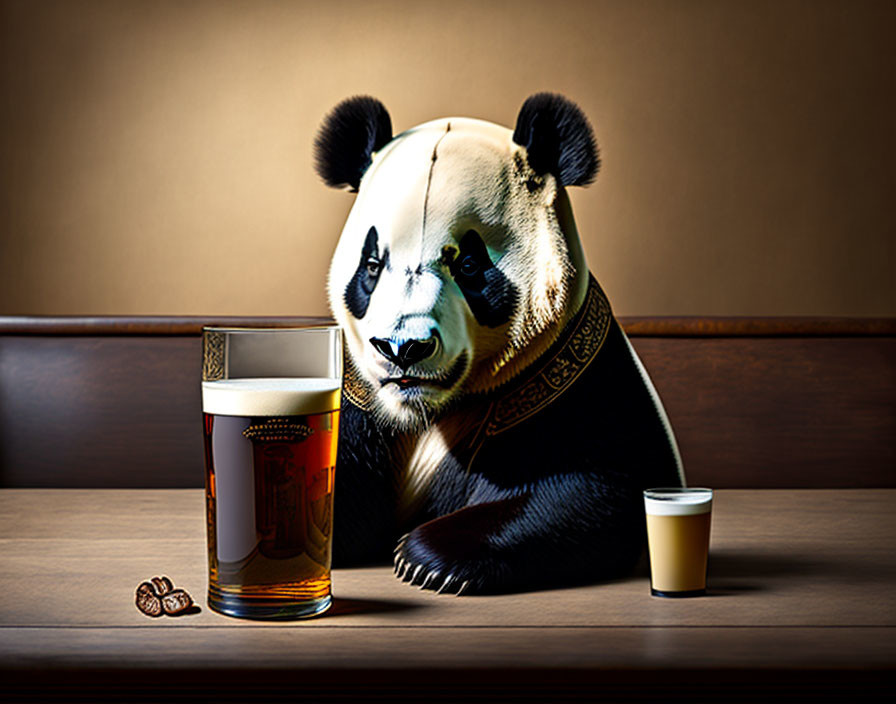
(572, 533)
(364, 529)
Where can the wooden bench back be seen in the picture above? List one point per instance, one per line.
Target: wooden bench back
(115, 402)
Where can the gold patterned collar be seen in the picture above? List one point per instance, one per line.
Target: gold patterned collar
(358, 391)
(560, 367)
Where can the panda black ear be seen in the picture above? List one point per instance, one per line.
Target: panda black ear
(558, 139)
(350, 134)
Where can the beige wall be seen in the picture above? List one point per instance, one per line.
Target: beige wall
(156, 156)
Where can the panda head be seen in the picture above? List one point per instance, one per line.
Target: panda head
(459, 263)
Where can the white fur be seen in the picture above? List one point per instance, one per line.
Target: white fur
(425, 457)
(423, 191)
(420, 456)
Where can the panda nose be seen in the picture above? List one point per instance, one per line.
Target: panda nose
(407, 353)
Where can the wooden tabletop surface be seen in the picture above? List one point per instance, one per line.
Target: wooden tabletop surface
(801, 601)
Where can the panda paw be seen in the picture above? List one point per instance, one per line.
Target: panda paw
(416, 572)
(459, 554)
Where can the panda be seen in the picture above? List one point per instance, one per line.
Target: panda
(497, 427)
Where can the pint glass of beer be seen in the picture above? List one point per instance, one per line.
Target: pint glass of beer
(270, 405)
(678, 522)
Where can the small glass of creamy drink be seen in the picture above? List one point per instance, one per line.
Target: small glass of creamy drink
(678, 522)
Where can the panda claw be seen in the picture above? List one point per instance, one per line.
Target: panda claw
(398, 566)
(408, 573)
(448, 580)
(463, 588)
(416, 572)
(429, 579)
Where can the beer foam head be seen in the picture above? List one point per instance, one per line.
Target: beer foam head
(270, 397)
(677, 501)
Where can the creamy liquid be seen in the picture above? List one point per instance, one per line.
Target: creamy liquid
(678, 550)
(678, 542)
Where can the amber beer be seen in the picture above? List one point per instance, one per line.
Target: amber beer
(678, 525)
(270, 402)
(270, 447)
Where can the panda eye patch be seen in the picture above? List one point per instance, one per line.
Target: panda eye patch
(363, 282)
(488, 292)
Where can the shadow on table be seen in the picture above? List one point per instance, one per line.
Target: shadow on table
(347, 607)
(739, 572)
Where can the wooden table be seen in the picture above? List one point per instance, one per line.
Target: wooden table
(802, 604)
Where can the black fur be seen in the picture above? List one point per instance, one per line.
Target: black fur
(527, 509)
(360, 287)
(364, 497)
(489, 293)
(535, 511)
(558, 139)
(354, 129)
